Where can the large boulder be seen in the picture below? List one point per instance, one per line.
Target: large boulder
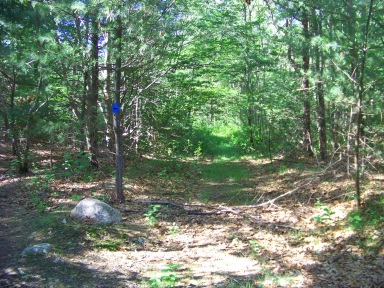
(43, 248)
(96, 211)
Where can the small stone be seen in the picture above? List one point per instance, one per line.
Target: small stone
(58, 260)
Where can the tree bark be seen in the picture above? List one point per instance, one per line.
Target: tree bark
(359, 112)
(94, 95)
(306, 117)
(116, 116)
(321, 124)
(83, 112)
(248, 78)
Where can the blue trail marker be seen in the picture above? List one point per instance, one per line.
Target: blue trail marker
(115, 108)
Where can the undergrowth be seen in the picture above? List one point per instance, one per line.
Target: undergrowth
(368, 223)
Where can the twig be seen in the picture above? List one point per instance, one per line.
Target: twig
(337, 197)
(159, 202)
(346, 73)
(334, 259)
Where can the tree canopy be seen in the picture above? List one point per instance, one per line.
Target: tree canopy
(219, 78)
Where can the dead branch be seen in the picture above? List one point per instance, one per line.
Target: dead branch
(213, 211)
(283, 195)
(159, 202)
(337, 257)
(270, 202)
(226, 210)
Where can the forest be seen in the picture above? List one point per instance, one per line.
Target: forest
(233, 136)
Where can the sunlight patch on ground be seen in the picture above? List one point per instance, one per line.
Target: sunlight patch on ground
(200, 263)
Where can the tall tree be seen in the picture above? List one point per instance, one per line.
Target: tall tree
(319, 91)
(306, 116)
(360, 102)
(94, 93)
(116, 117)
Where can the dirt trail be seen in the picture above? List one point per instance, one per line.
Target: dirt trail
(13, 231)
(275, 246)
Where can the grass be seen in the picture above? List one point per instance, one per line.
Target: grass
(166, 278)
(370, 216)
(264, 279)
(108, 244)
(367, 223)
(235, 283)
(224, 171)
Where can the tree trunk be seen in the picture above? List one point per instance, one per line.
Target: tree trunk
(14, 134)
(248, 79)
(86, 83)
(335, 129)
(306, 117)
(94, 95)
(335, 113)
(83, 112)
(108, 101)
(359, 112)
(116, 116)
(319, 90)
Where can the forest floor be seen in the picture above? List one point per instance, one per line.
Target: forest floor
(192, 224)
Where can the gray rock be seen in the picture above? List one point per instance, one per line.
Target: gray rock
(58, 260)
(11, 272)
(96, 211)
(38, 248)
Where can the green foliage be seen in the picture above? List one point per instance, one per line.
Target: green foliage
(103, 198)
(282, 169)
(204, 196)
(256, 248)
(38, 203)
(163, 174)
(327, 213)
(372, 215)
(108, 244)
(78, 165)
(15, 164)
(217, 141)
(167, 278)
(218, 171)
(197, 153)
(75, 197)
(355, 220)
(172, 229)
(49, 129)
(241, 284)
(229, 78)
(95, 231)
(152, 214)
(39, 188)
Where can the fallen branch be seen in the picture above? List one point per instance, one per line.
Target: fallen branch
(337, 257)
(283, 195)
(270, 202)
(223, 209)
(183, 210)
(159, 202)
(216, 211)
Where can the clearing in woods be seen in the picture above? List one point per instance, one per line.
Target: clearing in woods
(192, 224)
